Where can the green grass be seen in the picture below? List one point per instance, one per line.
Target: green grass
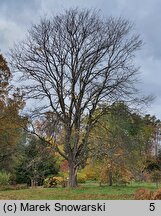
(83, 192)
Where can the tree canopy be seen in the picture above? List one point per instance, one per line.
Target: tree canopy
(70, 64)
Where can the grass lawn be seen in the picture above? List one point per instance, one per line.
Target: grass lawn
(83, 192)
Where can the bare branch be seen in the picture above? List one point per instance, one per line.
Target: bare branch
(74, 62)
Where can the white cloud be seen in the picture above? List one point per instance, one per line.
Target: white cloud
(10, 32)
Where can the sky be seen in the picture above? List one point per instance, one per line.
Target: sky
(16, 16)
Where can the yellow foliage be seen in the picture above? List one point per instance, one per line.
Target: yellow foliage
(90, 172)
(81, 178)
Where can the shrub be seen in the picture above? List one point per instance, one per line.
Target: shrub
(122, 176)
(81, 178)
(4, 178)
(90, 172)
(54, 181)
(142, 194)
(145, 194)
(157, 195)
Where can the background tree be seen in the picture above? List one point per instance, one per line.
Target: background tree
(11, 122)
(153, 167)
(70, 64)
(121, 139)
(5, 76)
(36, 162)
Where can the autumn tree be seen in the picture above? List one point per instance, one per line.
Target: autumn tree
(121, 140)
(10, 120)
(70, 64)
(5, 76)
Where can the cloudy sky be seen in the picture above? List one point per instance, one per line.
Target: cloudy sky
(16, 16)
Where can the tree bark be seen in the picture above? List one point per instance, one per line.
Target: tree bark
(110, 178)
(72, 175)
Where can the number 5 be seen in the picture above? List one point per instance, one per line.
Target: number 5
(152, 207)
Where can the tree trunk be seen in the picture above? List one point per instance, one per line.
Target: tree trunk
(72, 175)
(32, 182)
(110, 178)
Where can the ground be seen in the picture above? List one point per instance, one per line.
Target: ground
(83, 192)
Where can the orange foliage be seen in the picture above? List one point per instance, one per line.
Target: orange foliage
(145, 194)
(64, 166)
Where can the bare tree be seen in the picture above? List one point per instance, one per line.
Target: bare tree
(72, 63)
